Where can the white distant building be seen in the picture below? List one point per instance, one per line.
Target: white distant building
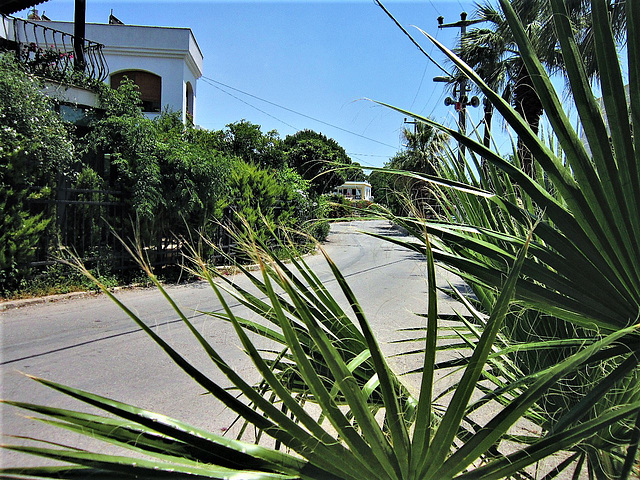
(355, 190)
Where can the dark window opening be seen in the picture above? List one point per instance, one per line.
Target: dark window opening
(189, 102)
(149, 85)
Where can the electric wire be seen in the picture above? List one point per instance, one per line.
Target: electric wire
(212, 81)
(259, 109)
(435, 8)
(411, 37)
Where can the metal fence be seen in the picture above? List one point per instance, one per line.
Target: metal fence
(85, 222)
(54, 55)
(93, 224)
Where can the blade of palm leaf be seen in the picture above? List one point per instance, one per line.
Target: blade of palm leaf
(579, 229)
(595, 196)
(445, 434)
(633, 56)
(445, 182)
(250, 325)
(591, 219)
(229, 400)
(353, 365)
(370, 384)
(615, 102)
(329, 408)
(559, 174)
(141, 438)
(350, 389)
(632, 452)
(330, 313)
(387, 379)
(579, 260)
(288, 432)
(344, 457)
(594, 203)
(318, 294)
(529, 293)
(592, 122)
(320, 453)
(141, 467)
(255, 304)
(558, 469)
(160, 449)
(175, 428)
(604, 387)
(549, 445)
(338, 322)
(425, 416)
(503, 420)
(489, 248)
(70, 472)
(345, 337)
(311, 279)
(590, 297)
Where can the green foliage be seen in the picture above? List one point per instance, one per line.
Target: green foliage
(319, 230)
(426, 148)
(245, 140)
(259, 199)
(19, 231)
(338, 206)
(366, 425)
(580, 281)
(320, 160)
(31, 127)
(172, 180)
(566, 253)
(36, 150)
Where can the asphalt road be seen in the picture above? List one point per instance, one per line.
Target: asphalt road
(89, 343)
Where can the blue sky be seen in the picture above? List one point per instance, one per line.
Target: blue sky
(320, 59)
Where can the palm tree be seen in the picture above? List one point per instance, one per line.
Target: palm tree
(424, 144)
(492, 52)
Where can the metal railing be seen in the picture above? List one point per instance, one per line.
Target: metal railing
(52, 54)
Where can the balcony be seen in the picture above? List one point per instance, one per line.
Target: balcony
(54, 55)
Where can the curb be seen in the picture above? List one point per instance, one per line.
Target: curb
(26, 302)
(13, 304)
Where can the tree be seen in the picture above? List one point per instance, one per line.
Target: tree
(36, 152)
(170, 175)
(424, 150)
(319, 159)
(494, 55)
(245, 140)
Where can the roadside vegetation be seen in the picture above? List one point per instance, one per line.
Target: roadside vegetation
(549, 339)
(66, 186)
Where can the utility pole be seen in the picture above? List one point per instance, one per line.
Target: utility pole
(461, 87)
(79, 21)
(414, 123)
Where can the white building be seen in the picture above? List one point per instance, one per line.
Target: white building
(355, 190)
(164, 62)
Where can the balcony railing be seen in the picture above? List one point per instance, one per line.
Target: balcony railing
(55, 55)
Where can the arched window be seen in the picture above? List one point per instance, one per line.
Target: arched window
(189, 102)
(149, 84)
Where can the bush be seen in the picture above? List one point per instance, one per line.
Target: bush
(319, 230)
(36, 151)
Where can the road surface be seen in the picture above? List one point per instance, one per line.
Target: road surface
(89, 343)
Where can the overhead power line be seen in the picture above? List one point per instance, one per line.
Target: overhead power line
(253, 106)
(213, 83)
(404, 30)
